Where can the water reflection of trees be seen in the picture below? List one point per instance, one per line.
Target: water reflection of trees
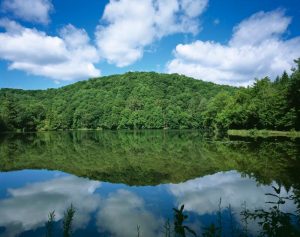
(143, 158)
(150, 157)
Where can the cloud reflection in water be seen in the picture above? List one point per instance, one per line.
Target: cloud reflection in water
(122, 210)
(27, 208)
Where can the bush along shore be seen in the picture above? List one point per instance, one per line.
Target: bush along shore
(262, 133)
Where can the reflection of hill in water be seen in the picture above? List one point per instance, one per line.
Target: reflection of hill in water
(148, 157)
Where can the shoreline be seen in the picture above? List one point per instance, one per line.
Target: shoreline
(262, 133)
(230, 132)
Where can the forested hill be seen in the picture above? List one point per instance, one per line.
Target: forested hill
(152, 100)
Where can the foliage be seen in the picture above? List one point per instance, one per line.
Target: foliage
(133, 100)
(139, 100)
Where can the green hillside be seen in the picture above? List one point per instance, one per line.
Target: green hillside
(148, 100)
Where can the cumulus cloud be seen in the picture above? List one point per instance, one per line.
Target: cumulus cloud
(29, 10)
(65, 57)
(122, 211)
(18, 214)
(128, 26)
(257, 49)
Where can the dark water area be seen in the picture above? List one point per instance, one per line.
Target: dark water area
(134, 183)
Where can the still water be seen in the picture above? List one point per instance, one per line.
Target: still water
(129, 183)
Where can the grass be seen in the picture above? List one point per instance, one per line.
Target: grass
(263, 133)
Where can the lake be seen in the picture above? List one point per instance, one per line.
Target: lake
(128, 183)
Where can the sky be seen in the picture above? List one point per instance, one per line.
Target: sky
(52, 43)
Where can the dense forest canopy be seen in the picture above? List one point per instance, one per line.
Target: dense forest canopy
(138, 100)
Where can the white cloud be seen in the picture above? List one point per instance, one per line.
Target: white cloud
(128, 26)
(29, 10)
(66, 57)
(260, 27)
(18, 214)
(256, 49)
(123, 211)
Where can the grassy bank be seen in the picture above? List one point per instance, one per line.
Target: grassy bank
(263, 133)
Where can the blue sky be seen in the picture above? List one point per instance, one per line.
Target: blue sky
(45, 44)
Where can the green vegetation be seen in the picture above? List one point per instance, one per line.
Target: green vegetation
(67, 222)
(133, 100)
(138, 100)
(150, 157)
(274, 221)
(50, 224)
(262, 133)
(179, 228)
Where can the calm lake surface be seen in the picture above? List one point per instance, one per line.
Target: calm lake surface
(127, 183)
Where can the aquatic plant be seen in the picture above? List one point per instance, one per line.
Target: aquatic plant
(50, 224)
(274, 222)
(179, 227)
(67, 221)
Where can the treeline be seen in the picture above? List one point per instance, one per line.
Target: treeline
(138, 100)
